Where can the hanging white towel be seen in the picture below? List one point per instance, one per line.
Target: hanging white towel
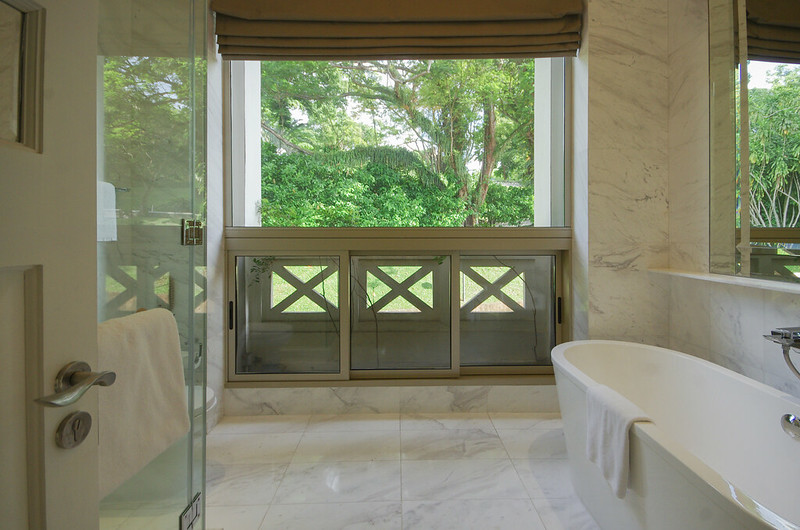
(145, 411)
(106, 211)
(609, 417)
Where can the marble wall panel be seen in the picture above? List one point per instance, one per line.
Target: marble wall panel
(628, 204)
(636, 27)
(689, 196)
(690, 316)
(689, 256)
(688, 94)
(628, 102)
(687, 20)
(724, 324)
(402, 399)
(715, 321)
(688, 135)
(628, 111)
(629, 305)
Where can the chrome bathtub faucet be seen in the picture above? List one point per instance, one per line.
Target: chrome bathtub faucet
(788, 338)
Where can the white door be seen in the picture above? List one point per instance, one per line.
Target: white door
(48, 283)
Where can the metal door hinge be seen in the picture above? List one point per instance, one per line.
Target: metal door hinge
(191, 515)
(191, 232)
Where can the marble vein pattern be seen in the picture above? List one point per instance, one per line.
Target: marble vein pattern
(393, 471)
(355, 401)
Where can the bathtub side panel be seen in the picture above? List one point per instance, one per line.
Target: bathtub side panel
(661, 496)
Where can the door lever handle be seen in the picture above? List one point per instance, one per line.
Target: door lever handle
(73, 381)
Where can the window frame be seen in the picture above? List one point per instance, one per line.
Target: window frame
(351, 242)
(344, 242)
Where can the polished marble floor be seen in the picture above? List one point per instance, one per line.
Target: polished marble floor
(391, 471)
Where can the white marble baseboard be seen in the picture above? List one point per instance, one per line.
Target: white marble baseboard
(405, 399)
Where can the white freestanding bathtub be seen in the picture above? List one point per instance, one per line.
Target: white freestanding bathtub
(714, 457)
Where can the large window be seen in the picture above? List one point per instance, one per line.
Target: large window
(443, 143)
(395, 218)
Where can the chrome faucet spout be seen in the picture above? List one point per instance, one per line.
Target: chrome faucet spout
(788, 338)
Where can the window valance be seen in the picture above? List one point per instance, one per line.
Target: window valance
(382, 29)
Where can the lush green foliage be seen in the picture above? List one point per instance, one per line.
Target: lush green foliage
(775, 150)
(431, 141)
(302, 190)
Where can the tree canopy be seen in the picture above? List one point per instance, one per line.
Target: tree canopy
(428, 143)
(775, 150)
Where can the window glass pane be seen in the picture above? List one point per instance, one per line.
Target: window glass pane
(400, 313)
(10, 54)
(399, 143)
(287, 314)
(507, 310)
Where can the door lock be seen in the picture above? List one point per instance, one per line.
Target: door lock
(73, 429)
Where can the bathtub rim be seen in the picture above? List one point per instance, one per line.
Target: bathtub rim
(689, 465)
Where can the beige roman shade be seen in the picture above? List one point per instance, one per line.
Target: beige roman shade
(773, 30)
(398, 29)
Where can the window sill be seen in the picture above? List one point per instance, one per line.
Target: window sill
(753, 283)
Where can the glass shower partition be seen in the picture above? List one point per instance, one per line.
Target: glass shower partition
(151, 192)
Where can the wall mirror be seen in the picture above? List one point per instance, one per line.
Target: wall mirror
(755, 132)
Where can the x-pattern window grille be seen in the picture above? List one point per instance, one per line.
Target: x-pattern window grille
(489, 286)
(415, 288)
(302, 290)
(399, 296)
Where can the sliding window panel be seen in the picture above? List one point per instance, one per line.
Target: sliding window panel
(507, 310)
(288, 315)
(400, 313)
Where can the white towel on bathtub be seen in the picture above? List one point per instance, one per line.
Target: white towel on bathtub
(145, 410)
(609, 417)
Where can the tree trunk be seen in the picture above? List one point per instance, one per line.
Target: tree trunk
(488, 163)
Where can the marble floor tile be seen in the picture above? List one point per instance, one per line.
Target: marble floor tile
(354, 422)
(339, 516)
(564, 514)
(235, 517)
(545, 478)
(113, 518)
(251, 448)
(150, 519)
(348, 446)
(534, 443)
(440, 421)
(262, 424)
(340, 482)
(526, 420)
(242, 484)
(451, 444)
(461, 479)
(459, 470)
(483, 514)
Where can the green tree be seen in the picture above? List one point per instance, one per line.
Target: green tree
(461, 119)
(775, 150)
